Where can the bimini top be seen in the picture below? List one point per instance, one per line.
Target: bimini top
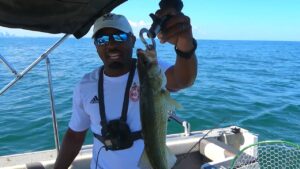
(54, 16)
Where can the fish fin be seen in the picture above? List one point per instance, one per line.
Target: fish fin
(173, 102)
(144, 162)
(171, 158)
(170, 101)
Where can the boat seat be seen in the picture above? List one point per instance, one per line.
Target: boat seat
(35, 165)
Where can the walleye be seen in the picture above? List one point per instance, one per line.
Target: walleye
(155, 102)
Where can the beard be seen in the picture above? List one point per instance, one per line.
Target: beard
(116, 65)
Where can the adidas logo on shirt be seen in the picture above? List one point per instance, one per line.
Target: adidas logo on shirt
(94, 100)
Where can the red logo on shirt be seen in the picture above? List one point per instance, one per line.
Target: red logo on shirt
(134, 93)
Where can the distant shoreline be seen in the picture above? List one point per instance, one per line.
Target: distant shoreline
(71, 37)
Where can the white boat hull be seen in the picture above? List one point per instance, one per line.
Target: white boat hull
(216, 149)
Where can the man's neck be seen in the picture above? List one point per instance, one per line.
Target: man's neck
(117, 72)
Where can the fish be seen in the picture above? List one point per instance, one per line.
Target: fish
(155, 103)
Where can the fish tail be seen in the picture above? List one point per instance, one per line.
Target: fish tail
(144, 162)
(171, 158)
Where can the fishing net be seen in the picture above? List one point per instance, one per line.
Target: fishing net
(268, 155)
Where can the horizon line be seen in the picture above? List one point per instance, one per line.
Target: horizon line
(204, 39)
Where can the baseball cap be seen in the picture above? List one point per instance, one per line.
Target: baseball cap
(111, 20)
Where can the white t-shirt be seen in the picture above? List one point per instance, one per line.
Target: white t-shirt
(86, 115)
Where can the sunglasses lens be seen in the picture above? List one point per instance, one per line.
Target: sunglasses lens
(102, 40)
(121, 37)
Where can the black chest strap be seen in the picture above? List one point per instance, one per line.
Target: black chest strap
(134, 135)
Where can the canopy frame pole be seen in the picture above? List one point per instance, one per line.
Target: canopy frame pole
(33, 64)
(8, 65)
(52, 105)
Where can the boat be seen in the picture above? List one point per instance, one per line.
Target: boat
(206, 149)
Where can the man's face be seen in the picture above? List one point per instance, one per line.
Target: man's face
(114, 48)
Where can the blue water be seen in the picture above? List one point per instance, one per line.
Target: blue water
(252, 84)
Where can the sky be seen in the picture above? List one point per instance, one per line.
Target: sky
(216, 19)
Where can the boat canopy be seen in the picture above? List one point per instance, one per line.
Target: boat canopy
(54, 16)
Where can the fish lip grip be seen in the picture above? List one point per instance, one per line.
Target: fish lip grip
(148, 46)
(158, 23)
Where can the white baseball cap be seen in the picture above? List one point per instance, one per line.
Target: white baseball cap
(111, 20)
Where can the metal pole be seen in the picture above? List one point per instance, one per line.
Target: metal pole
(52, 103)
(33, 64)
(184, 124)
(8, 65)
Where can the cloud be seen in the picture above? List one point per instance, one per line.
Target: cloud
(199, 33)
(138, 25)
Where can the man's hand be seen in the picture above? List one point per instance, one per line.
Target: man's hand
(70, 147)
(177, 29)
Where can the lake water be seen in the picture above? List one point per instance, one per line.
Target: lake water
(252, 84)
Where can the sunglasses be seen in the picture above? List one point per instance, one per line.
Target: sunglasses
(104, 39)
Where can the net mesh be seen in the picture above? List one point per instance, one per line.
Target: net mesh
(268, 155)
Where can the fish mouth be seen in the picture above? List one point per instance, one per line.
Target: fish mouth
(145, 62)
(146, 59)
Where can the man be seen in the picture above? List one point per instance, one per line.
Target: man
(114, 42)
